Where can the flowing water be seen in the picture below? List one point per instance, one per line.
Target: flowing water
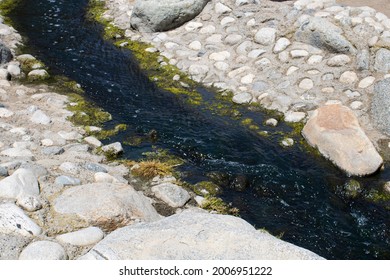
(284, 190)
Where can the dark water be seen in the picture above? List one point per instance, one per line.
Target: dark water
(288, 192)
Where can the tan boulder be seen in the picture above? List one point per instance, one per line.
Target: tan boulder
(335, 131)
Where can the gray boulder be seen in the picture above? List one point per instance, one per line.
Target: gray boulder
(157, 16)
(193, 235)
(5, 54)
(323, 34)
(380, 105)
(108, 206)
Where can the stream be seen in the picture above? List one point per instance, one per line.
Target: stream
(287, 191)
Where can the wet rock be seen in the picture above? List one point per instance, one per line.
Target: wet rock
(83, 237)
(107, 206)
(322, 34)
(157, 16)
(335, 131)
(14, 220)
(43, 250)
(380, 105)
(173, 195)
(195, 234)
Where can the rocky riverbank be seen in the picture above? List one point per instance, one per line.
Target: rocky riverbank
(293, 57)
(60, 198)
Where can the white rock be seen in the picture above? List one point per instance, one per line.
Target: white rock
(266, 36)
(291, 70)
(22, 183)
(29, 203)
(17, 152)
(281, 45)
(83, 237)
(248, 79)
(192, 26)
(220, 56)
(43, 250)
(73, 135)
(339, 60)
(115, 148)
(5, 113)
(173, 195)
(287, 142)
(306, 84)
(348, 77)
(220, 65)
(238, 71)
(69, 167)
(38, 74)
(327, 90)
(227, 20)
(40, 117)
(102, 177)
(93, 141)
(294, 116)
(242, 98)
(14, 220)
(195, 45)
(299, 53)
(256, 53)
(356, 105)
(284, 56)
(222, 9)
(14, 70)
(251, 22)
(47, 142)
(209, 29)
(366, 82)
(199, 200)
(171, 45)
(198, 71)
(315, 59)
(271, 122)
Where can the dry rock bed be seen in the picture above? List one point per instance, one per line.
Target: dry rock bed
(60, 199)
(296, 57)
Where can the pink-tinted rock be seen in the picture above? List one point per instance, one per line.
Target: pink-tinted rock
(335, 131)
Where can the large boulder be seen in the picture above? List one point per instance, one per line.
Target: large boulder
(157, 16)
(105, 205)
(195, 234)
(380, 105)
(323, 34)
(335, 131)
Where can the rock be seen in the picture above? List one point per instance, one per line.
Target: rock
(107, 206)
(195, 45)
(222, 9)
(291, 70)
(366, 82)
(247, 79)
(266, 36)
(43, 250)
(14, 70)
(29, 203)
(73, 135)
(294, 116)
(192, 26)
(115, 148)
(63, 181)
(22, 183)
(339, 60)
(382, 61)
(83, 237)
(281, 45)
(40, 117)
(93, 141)
(36, 169)
(25, 58)
(271, 122)
(193, 235)
(53, 150)
(3, 172)
(17, 152)
(11, 245)
(315, 59)
(256, 53)
(363, 60)
(198, 72)
(287, 142)
(242, 98)
(173, 195)
(157, 16)
(5, 54)
(306, 84)
(69, 167)
(5, 113)
(356, 105)
(348, 77)
(4, 75)
(102, 177)
(14, 221)
(321, 33)
(335, 131)
(227, 20)
(219, 56)
(37, 75)
(380, 105)
(94, 167)
(233, 39)
(299, 53)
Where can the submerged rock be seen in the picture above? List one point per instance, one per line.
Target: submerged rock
(192, 235)
(335, 131)
(156, 16)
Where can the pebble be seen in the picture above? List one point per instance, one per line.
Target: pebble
(222, 9)
(242, 98)
(291, 70)
(266, 36)
(287, 142)
(73, 135)
(83, 237)
(339, 60)
(18, 152)
(271, 122)
(220, 56)
(281, 45)
(195, 45)
(315, 59)
(233, 39)
(348, 77)
(356, 105)
(94, 167)
(43, 250)
(53, 150)
(63, 181)
(366, 82)
(299, 53)
(256, 53)
(29, 203)
(227, 20)
(306, 84)
(39, 117)
(93, 141)
(248, 79)
(294, 116)
(115, 148)
(47, 142)
(5, 113)
(69, 167)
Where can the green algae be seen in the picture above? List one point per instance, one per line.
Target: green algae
(215, 204)
(6, 7)
(206, 187)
